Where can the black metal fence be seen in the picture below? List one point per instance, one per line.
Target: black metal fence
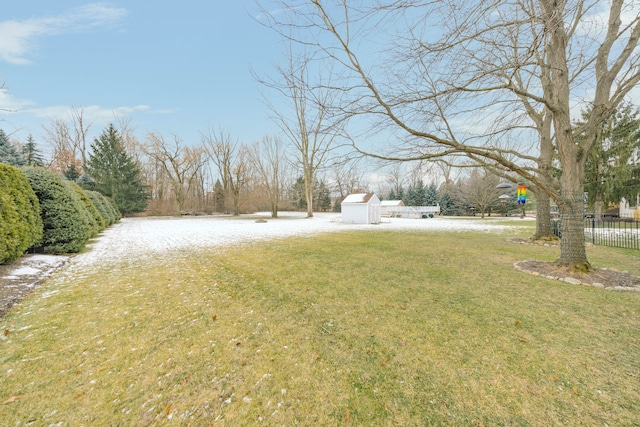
(619, 233)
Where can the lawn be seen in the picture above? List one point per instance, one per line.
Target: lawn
(349, 328)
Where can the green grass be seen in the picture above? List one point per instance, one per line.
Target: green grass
(352, 328)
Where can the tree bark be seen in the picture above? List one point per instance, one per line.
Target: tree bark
(573, 254)
(543, 217)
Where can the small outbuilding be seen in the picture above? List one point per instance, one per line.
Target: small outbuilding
(361, 209)
(390, 207)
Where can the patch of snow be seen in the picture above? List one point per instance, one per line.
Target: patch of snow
(24, 271)
(137, 238)
(134, 239)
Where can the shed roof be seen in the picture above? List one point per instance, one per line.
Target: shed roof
(358, 198)
(392, 203)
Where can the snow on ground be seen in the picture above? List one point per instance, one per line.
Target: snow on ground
(137, 238)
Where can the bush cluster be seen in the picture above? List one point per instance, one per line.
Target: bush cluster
(40, 209)
(20, 223)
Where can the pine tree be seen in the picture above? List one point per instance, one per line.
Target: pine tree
(31, 154)
(115, 174)
(8, 153)
(610, 171)
(298, 195)
(431, 197)
(71, 173)
(218, 197)
(447, 206)
(322, 197)
(415, 194)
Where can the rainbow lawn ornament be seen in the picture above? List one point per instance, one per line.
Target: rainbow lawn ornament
(522, 194)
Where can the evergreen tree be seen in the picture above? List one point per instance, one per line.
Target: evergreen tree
(415, 195)
(31, 154)
(298, 194)
(85, 182)
(610, 171)
(218, 197)
(71, 173)
(447, 206)
(8, 153)
(115, 174)
(322, 197)
(431, 197)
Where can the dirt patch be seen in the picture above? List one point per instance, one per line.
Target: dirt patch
(20, 278)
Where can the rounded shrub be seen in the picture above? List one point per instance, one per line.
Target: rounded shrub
(95, 219)
(64, 216)
(103, 206)
(20, 222)
(114, 207)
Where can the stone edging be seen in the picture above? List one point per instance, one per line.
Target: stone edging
(574, 281)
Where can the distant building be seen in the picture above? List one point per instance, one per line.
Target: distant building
(389, 207)
(397, 209)
(361, 209)
(627, 211)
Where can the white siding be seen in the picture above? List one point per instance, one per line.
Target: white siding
(356, 211)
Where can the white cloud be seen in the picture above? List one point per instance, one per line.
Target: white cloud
(18, 39)
(9, 103)
(92, 114)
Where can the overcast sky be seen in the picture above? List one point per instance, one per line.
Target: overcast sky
(171, 67)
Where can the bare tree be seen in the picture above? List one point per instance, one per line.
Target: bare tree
(478, 191)
(347, 176)
(269, 159)
(68, 141)
(232, 161)
(306, 123)
(180, 164)
(63, 154)
(446, 90)
(80, 132)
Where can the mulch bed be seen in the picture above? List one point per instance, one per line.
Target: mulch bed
(606, 278)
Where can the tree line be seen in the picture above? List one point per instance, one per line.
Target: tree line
(166, 176)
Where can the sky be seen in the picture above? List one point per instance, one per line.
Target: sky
(175, 68)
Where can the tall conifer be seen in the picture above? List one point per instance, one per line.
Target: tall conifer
(115, 174)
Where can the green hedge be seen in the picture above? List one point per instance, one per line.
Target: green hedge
(95, 219)
(64, 216)
(20, 222)
(103, 206)
(114, 208)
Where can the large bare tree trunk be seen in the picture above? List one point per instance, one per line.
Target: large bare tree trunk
(545, 166)
(573, 254)
(543, 217)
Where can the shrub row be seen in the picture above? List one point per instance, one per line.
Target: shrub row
(39, 209)
(20, 222)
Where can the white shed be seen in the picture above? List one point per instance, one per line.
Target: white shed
(361, 209)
